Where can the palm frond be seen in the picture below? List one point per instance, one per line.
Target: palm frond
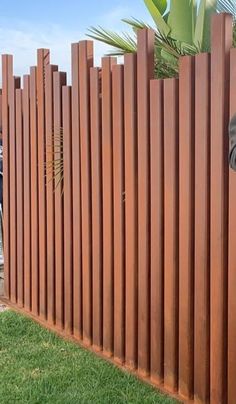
(122, 43)
(54, 165)
(227, 6)
(136, 24)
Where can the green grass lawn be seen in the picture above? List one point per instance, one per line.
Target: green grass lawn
(37, 366)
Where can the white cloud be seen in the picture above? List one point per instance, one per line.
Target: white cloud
(23, 42)
(25, 38)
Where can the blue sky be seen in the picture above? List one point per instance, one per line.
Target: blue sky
(26, 25)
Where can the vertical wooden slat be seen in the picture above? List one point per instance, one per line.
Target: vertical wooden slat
(96, 167)
(19, 199)
(13, 84)
(42, 62)
(59, 79)
(232, 251)
(145, 73)
(7, 67)
(119, 211)
(28, 285)
(221, 40)
(49, 128)
(186, 229)
(157, 230)
(202, 230)
(32, 104)
(68, 242)
(1, 109)
(107, 164)
(131, 210)
(171, 225)
(85, 62)
(76, 195)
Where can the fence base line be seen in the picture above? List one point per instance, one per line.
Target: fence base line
(97, 350)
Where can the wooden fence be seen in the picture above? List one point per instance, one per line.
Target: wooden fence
(134, 252)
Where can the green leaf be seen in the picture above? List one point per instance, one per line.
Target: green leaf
(199, 28)
(211, 7)
(226, 6)
(180, 20)
(161, 5)
(157, 17)
(123, 44)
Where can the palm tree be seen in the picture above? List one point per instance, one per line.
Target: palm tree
(183, 28)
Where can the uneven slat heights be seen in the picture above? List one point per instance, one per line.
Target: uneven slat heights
(119, 209)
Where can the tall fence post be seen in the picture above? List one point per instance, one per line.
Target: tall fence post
(221, 41)
(186, 219)
(232, 251)
(31, 281)
(107, 167)
(131, 209)
(7, 67)
(76, 193)
(85, 63)
(157, 230)
(202, 230)
(145, 72)
(43, 58)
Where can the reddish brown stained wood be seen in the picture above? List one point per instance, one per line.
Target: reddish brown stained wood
(232, 252)
(1, 107)
(157, 230)
(171, 242)
(202, 230)
(7, 68)
(96, 167)
(13, 84)
(119, 212)
(85, 62)
(59, 79)
(107, 164)
(186, 230)
(28, 285)
(145, 73)
(68, 242)
(221, 40)
(42, 61)
(19, 199)
(76, 195)
(49, 128)
(31, 102)
(131, 210)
